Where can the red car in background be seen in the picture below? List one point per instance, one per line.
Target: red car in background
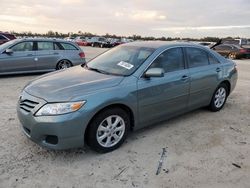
(5, 37)
(81, 41)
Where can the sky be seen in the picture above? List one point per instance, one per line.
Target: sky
(168, 18)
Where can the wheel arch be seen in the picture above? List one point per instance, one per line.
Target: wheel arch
(116, 105)
(228, 84)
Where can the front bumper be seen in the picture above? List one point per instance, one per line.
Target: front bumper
(53, 132)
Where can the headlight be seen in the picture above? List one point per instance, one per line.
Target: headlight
(59, 108)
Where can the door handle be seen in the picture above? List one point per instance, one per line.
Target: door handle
(218, 69)
(29, 54)
(55, 53)
(184, 77)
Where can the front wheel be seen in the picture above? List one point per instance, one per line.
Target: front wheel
(108, 130)
(219, 98)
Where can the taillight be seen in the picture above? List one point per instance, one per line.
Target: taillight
(82, 55)
(243, 50)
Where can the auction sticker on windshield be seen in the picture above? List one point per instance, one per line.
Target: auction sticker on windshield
(125, 65)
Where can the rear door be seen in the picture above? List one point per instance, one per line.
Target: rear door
(205, 72)
(22, 58)
(47, 55)
(159, 98)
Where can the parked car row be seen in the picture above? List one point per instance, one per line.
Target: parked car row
(101, 42)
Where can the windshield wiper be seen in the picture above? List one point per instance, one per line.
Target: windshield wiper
(97, 70)
(100, 71)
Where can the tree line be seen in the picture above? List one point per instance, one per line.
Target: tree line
(55, 34)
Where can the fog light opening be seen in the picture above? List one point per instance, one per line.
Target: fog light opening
(26, 130)
(51, 139)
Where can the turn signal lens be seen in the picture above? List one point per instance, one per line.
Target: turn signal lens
(76, 106)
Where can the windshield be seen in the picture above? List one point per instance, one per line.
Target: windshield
(122, 60)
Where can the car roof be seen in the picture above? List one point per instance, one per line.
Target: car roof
(161, 44)
(15, 41)
(43, 39)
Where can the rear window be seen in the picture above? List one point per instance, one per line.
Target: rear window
(68, 46)
(2, 37)
(212, 59)
(223, 47)
(10, 36)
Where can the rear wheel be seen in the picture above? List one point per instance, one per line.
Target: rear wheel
(63, 64)
(219, 98)
(108, 130)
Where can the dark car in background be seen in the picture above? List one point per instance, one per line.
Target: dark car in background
(99, 42)
(38, 55)
(232, 51)
(6, 37)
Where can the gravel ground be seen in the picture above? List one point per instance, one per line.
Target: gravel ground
(201, 148)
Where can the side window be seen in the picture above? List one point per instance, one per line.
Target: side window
(170, 60)
(45, 46)
(212, 59)
(23, 46)
(196, 57)
(56, 46)
(67, 46)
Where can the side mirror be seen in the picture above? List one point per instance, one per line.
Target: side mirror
(154, 72)
(9, 51)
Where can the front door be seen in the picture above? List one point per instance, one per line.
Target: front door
(22, 59)
(161, 98)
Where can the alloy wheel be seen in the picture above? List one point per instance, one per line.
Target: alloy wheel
(64, 64)
(220, 97)
(110, 131)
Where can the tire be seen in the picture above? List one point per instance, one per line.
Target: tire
(93, 44)
(219, 98)
(100, 135)
(63, 64)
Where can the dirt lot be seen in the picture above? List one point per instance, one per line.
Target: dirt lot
(201, 148)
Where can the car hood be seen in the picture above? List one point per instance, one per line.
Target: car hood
(69, 84)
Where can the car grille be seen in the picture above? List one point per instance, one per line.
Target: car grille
(27, 105)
